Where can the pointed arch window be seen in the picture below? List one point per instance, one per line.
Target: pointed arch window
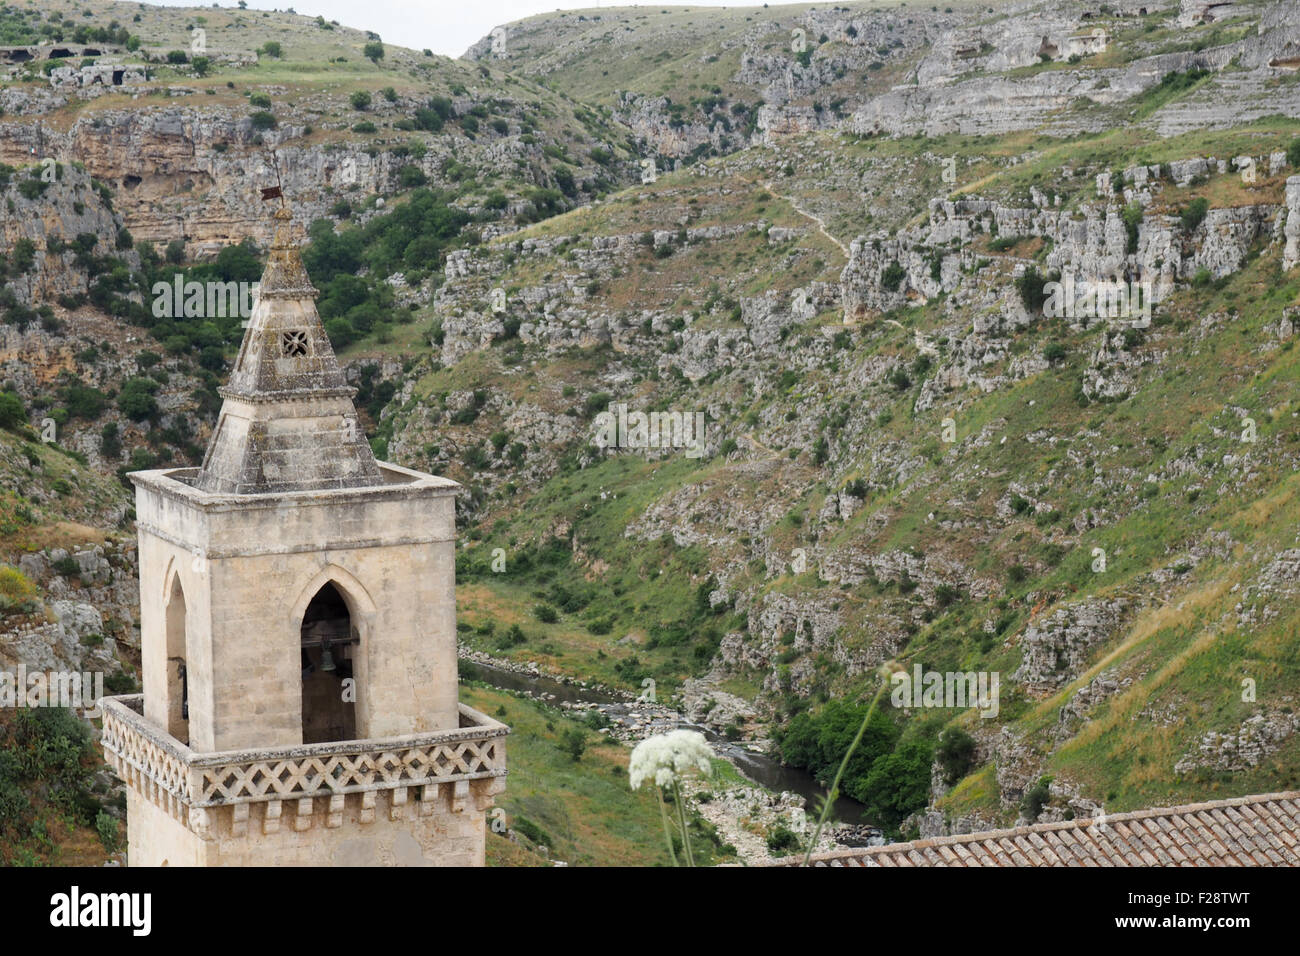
(328, 646)
(177, 689)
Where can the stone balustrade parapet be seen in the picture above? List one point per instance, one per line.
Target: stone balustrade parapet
(141, 752)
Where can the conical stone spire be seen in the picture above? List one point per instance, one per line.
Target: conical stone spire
(287, 422)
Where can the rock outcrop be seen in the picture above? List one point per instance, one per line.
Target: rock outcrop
(1055, 651)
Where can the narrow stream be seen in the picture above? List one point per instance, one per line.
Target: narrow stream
(759, 768)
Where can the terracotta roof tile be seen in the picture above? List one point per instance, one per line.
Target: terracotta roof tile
(1259, 830)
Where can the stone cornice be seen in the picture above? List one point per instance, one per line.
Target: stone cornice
(419, 485)
(349, 544)
(286, 395)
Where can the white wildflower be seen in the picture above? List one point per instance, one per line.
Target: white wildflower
(665, 758)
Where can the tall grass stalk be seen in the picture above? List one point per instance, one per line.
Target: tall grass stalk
(835, 784)
(681, 815)
(668, 833)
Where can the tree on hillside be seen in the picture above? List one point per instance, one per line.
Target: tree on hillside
(12, 413)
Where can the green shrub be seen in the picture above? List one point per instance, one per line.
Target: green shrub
(530, 830)
(1031, 285)
(1035, 799)
(956, 754)
(12, 413)
(32, 188)
(14, 804)
(136, 398)
(106, 826)
(512, 638)
(1132, 217)
(66, 566)
(410, 177)
(892, 277)
(17, 593)
(782, 840)
(574, 743)
(49, 747)
(899, 782)
(120, 682)
(1194, 213)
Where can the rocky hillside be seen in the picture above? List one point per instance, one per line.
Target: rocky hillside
(842, 237)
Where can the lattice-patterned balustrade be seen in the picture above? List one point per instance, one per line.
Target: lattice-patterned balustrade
(175, 777)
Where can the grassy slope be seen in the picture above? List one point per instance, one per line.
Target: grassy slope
(1172, 647)
(47, 497)
(683, 53)
(1184, 650)
(318, 70)
(585, 808)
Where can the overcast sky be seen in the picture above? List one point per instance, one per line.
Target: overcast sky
(443, 26)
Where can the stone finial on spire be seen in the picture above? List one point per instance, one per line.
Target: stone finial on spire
(285, 276)
(288, 422)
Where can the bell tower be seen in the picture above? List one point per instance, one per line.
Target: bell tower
(298, 630)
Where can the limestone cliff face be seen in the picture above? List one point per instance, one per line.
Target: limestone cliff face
(996, 105)
(67, 207)
(659, 132)
(195, 174)
(560, 314)
(185, 173)
(1291, 254)
(1008, 44)
(1089, 244)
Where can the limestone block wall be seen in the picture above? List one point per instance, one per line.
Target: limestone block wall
(401, 602)
(154, 838)
(249, 566)
(370, 829)
(163, 560)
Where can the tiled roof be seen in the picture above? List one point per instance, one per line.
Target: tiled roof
(1260, 830)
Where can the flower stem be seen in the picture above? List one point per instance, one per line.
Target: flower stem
(663, 814)
(835, 785)
(681, 815)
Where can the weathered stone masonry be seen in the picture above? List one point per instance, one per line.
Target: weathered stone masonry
(298, 633)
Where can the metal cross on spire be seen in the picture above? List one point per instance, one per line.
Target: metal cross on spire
(276, 191)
